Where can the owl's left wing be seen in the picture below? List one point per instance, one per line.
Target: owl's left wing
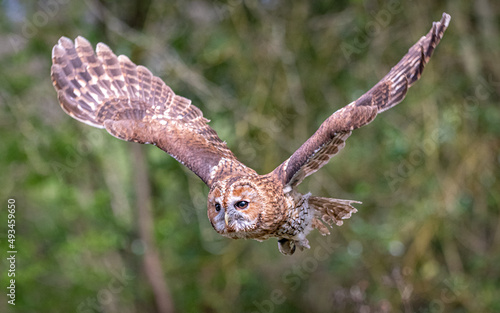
(330, 138)
(106, 91)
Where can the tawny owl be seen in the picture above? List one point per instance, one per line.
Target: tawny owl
(106, 91)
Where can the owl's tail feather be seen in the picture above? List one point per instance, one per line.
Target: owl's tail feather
(330, 211)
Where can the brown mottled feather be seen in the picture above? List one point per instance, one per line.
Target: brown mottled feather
(106, 91)
(391, 90)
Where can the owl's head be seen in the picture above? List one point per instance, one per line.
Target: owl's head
(245, 207)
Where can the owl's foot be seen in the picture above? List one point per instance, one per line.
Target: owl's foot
(288, 246)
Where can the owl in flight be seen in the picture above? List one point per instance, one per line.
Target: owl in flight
(106, 91)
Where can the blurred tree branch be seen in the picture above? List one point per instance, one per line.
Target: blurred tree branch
(151, 260)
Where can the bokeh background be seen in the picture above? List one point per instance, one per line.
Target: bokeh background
(108, 226)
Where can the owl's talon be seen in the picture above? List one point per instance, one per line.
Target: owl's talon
(286, 246)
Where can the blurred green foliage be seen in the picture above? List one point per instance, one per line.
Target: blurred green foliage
(267, 73)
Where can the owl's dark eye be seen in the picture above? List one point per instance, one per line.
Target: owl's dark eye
(217, 207)
(241, 205)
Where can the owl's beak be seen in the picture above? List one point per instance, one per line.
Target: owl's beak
(226, 217)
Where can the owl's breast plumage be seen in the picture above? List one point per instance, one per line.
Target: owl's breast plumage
(299, 215)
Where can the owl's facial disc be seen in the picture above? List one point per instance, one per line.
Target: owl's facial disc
(233, 209)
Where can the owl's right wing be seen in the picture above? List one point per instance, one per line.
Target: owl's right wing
(330, 138)
(111, 92)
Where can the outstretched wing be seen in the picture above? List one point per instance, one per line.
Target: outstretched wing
(330, 138)
(111, 92)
